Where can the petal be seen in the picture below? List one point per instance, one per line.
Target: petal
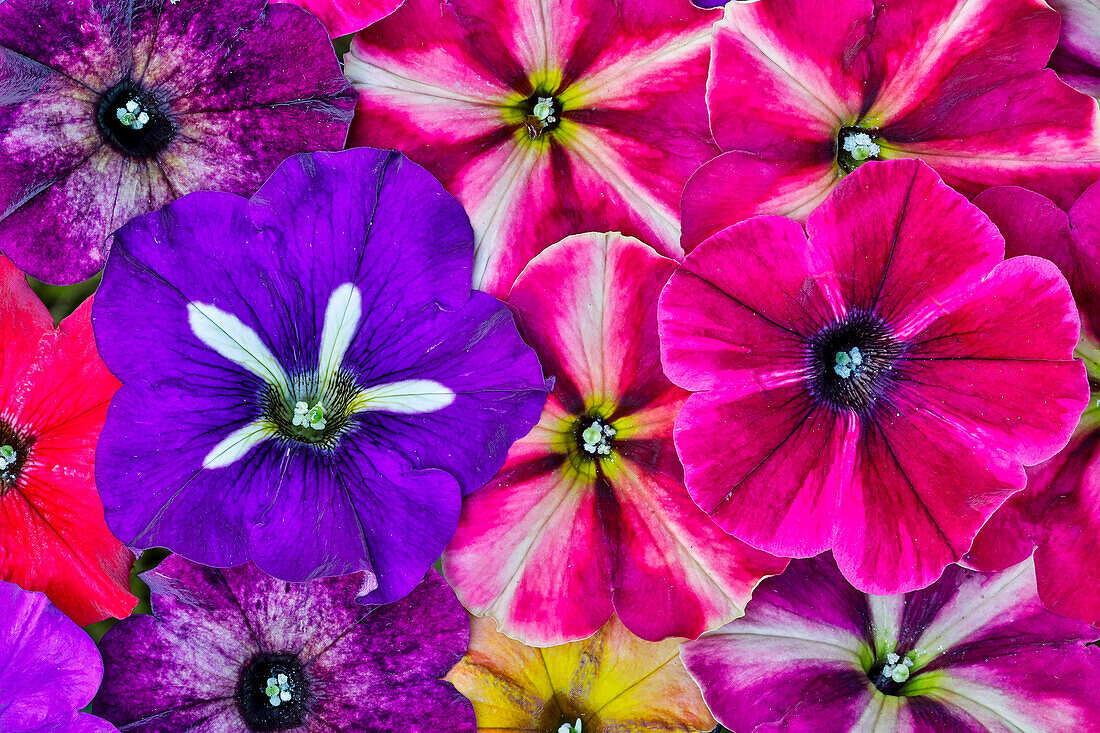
(550, 580)
(394, 657)
(342, 17)
(506, 681)
(677, 573)
(876, 230)
(587, 306)
(794, 660)
(792, 184)
(726, 327)
(768, 467)
(51, 667)
(1077, 57)
(56, 390)
(620, 682)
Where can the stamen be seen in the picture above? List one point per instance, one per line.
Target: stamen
(8, 456)
(311, 417)
(848, 362)
(597, 438)
(897, 668)
(132, 114)
(574, 728)
(541, 117)
(861, 147)
(277, 689)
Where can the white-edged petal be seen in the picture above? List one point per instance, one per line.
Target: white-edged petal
(407, 397)
(342, 316)
(235, 445)
(229, 336)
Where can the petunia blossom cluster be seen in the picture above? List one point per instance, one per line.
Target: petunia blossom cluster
(588, 366)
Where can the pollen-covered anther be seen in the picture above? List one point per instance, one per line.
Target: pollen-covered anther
(897, 668)
(277, 688)
(8, 456)
(133, 114)
(311, 417)
(848, 362)
(571, 728)
(861, 146)
(597, 438)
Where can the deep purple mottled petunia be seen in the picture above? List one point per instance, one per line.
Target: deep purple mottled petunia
(49, 668)
(1059, 511)
(971, 653)
(873, 384)
(113, 108)
(801, 92)
(308, 380)
(236, 651)
(1077, 57)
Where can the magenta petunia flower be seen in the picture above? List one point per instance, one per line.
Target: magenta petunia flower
(342, 17)
(801, 92)
(873, 385)
(543, 119)
(236, 651)
(589, 514)
(1059, 511)
(971, 653)
(111, 108)
(1077, 57)
(308, 381)
(49, 668)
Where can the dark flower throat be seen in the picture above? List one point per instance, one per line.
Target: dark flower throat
(10, 472)
(134, 121)
(253, 700)
(852, 363)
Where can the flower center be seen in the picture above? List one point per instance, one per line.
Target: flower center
(890, 676)
(851, 362)
(854, 147)
(594, 437)
(133, 121)
(574, 727)
(272, 693)
(13, 455)
(542, 114)
(311, 412)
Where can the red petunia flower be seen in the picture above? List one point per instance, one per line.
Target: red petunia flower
(54, 392)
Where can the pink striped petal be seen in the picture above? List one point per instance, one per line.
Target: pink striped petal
(342, 17)
(1077, 58)
(628, 76)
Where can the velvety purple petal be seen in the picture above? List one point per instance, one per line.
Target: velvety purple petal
(49, 668)
(395, 658)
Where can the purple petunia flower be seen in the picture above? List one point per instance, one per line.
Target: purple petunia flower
(970, 653)
(235, 650)
(873, 384)
(49, 668)
(113, 108)
(308, 380)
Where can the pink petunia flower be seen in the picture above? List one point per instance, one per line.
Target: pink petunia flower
(801, 92)
(542, 119)
(874, 384)
(589, 514)
(1059, 511)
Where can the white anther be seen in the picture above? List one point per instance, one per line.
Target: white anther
(861, 146)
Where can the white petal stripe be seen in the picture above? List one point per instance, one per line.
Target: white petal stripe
(238, 443)
(342, 316)
(229, 336)
(408, 397)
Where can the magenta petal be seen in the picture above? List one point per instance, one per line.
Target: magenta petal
(1077, 58)
(342, 17)
(877, 228)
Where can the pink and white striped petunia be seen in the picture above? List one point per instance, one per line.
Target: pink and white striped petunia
(971, 653)
(801, 92)
(543, 119)
(1059, 511)
(874, 384)
(589, 514)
